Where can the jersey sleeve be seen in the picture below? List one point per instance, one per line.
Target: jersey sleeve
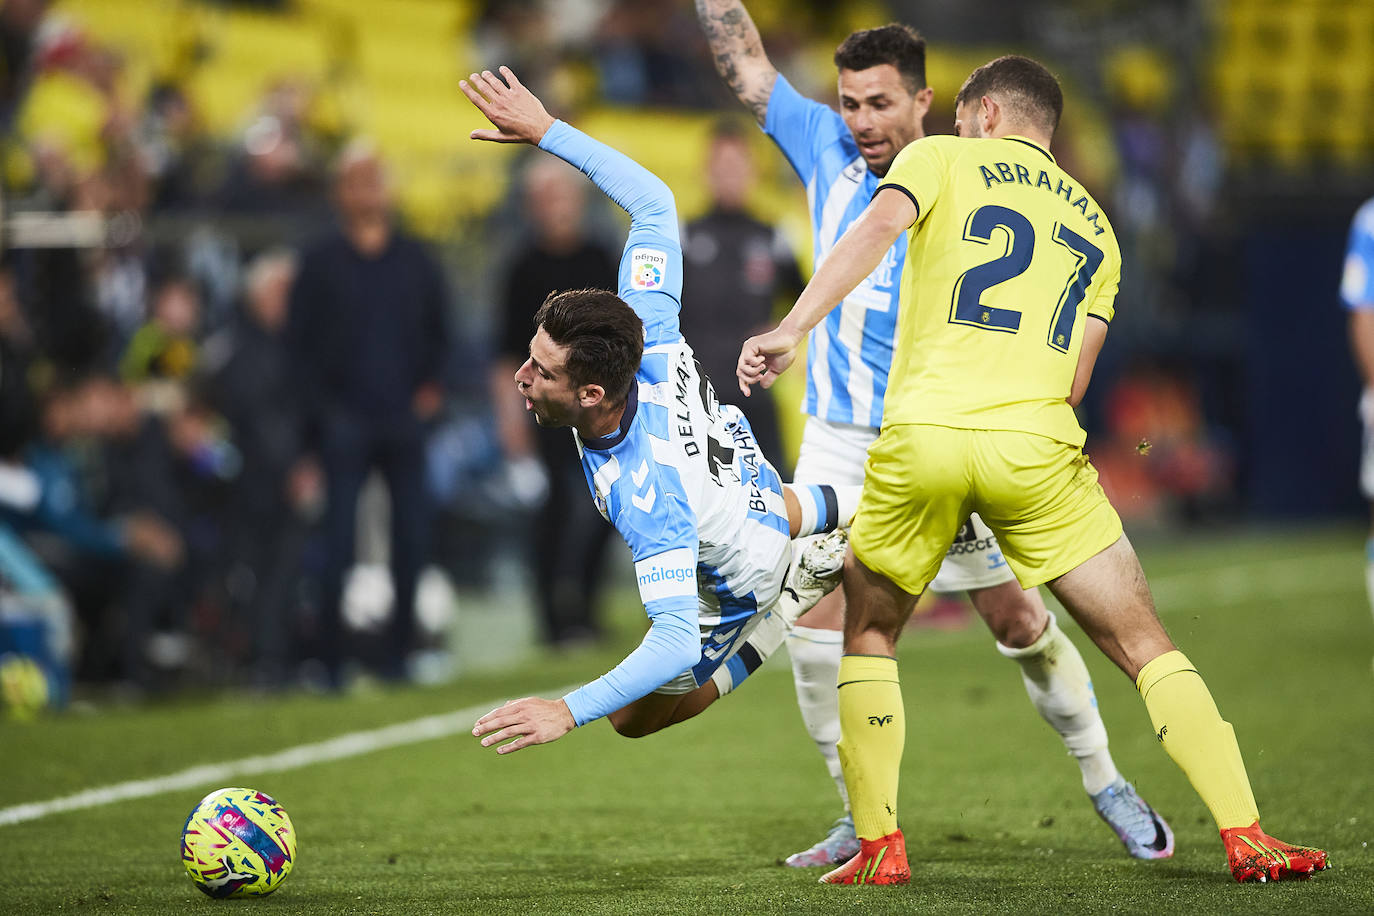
(1357, 278)
(1103, 305)
(651, 265)
(800, 126)
(652, 513)
(919, 172)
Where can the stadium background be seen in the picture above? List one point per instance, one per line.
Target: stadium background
(1230, 142)
(149, 139)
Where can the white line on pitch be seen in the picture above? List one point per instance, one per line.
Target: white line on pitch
(1218, 584)
(352, 744)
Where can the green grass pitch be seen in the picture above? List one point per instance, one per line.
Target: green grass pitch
(693, 820)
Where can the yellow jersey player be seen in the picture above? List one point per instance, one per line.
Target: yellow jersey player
(1010, 277)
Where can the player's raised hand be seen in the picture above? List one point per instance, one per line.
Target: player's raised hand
(518, 114)
(531, 720)
(764, 357)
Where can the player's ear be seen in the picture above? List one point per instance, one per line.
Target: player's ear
(990, 114)
(923, 100)
(590, 395)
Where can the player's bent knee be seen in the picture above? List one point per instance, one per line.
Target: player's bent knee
(1015, 617)
(628, 726)
(634, 721)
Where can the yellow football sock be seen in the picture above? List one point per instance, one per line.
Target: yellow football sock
(872, 734)
(1193, 733)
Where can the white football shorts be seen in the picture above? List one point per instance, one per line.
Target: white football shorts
(724, 646)
(834, 453)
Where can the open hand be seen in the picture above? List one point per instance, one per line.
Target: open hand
(764, 357)
(531, 720)
(518, 114)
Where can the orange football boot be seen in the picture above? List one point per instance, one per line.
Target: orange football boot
(1256, 856)
(880, 861)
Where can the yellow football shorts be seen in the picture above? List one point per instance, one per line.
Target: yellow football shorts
(1039, 496)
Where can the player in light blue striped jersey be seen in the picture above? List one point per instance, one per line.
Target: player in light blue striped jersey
(1357, 292)
(707, 519)
(841, 158)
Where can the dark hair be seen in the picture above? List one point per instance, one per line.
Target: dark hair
(895, 44)
(1026, 87)
(603, 336)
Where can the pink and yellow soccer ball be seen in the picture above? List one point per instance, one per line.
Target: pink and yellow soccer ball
(238, 843)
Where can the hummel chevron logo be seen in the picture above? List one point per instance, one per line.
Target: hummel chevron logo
(643, 502)
(639, 475)
(880, 721)
(646, 502)
(1163, 729)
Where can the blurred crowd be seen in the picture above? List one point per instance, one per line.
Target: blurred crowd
(210, 344)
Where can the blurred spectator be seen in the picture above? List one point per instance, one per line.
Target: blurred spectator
(275, 173)
(518, 34)
(116, 567)
(249, 381)
(53, 286)
(1159, 459)
(735, 269)
(649, 53)
(570, 539)
(1357, 294)
(164, 349)
(19, 21)
(175, 151)
(367, 334)
(18, 411)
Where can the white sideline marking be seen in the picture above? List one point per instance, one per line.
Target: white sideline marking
(352, 744)
(1221, 585)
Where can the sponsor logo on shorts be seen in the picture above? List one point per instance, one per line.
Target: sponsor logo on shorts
(880, 721)
(978, 545)
(647, 268)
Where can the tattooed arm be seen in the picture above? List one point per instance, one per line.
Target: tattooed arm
(738, 51)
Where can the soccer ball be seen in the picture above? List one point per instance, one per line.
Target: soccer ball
(238, 843)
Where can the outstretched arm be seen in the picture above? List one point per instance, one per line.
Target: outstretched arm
(520, 117)
(856, 255)
(739, 54)
(670, 647)
(651, 265)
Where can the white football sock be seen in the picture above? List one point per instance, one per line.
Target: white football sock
(825, 508)
(1062, 691)
(815, 672)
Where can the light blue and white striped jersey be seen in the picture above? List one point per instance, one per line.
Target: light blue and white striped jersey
(850, 352)
(1357, 280)
(682, 479)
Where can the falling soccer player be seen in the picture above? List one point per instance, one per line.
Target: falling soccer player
(680, 476)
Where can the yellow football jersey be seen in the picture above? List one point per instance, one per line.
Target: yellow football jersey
(1008, 259)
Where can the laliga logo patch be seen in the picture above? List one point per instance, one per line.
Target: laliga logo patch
(647, 267)
(647, 276)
